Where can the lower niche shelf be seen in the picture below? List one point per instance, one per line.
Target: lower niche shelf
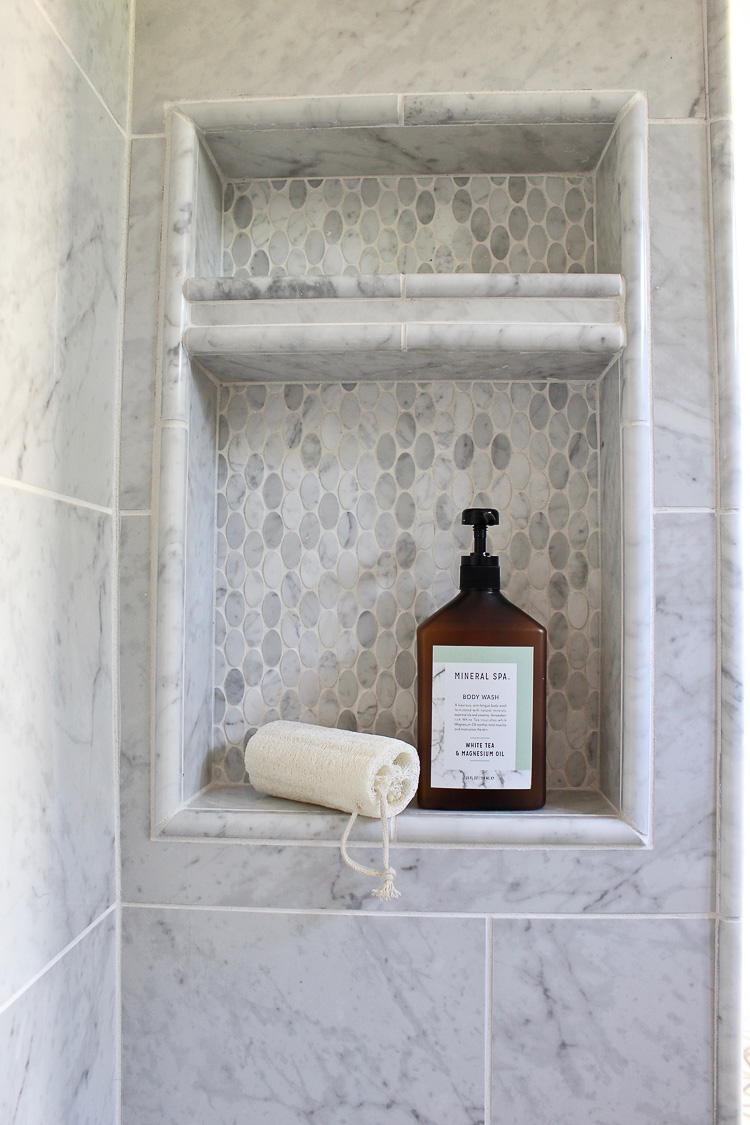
(237, 812)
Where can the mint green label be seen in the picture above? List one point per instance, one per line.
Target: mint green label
(482, 711)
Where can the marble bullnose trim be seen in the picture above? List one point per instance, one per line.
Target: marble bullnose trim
(452, 326)
(548, 286)
(573, 819)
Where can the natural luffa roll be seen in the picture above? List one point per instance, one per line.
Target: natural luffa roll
(365, 774)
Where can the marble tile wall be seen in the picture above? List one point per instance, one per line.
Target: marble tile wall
(211, 926)
(357, 489)
(64, 92)
(409, 224)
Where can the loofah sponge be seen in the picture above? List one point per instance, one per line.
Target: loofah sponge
(365, 774)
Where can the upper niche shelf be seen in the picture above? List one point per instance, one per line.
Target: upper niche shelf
(436, 326)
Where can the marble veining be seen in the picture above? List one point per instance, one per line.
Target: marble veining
(140, 323)
(57, 838)
(58, 294)
(413, 49)
(323, 1020)
(589, 1018)
(58, 1060)
(682, 319)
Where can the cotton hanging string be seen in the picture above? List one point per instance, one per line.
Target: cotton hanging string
(362, 774)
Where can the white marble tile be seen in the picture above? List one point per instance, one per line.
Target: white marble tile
(513, 107)
(610, 475)
(57, 836)
(684, 685)
(140, 332)
(392, 363)
(169, 670)
(291, 288)
(729, 1038)
(494, 149)
(719, 58)
(730, 432)
(179, 263)
(682, 318)
(135, 686)
(657, 48)
(208, 216)
(58, 1062)
(98, 34)
(555, 322)
(59, 273)
(732, 718)
(625, 208)
(305, 112)
(602, 1020)
(200, 536)
(281, 1019)
(638, 577)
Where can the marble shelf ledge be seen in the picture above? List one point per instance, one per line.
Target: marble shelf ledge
(448, 326)
(569, 819)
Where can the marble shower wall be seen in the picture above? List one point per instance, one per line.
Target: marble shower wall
(208, 924)
(64, 92)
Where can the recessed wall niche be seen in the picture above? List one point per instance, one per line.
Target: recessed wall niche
(379, 311)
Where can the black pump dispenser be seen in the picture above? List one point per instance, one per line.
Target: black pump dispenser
(480, 571)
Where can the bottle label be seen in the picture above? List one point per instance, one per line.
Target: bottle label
(482, 710)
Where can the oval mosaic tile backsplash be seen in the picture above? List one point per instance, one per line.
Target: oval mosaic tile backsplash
(338, 516)
(410, 224)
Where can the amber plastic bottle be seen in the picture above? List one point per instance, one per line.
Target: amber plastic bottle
(481, 693)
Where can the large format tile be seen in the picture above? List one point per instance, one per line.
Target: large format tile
(725, 282)
(309, 48)
(682, 318)
(277, 1019)
(719, 58)
(602, 1021)
(731, 748)
(98, 34)
(61, 181)
(58, 1059)
(57, 834)
(140, 331)
(729, 1066)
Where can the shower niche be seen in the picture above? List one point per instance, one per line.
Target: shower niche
(378, 310)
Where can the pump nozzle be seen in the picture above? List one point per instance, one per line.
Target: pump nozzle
(481, 518)
(480, 571)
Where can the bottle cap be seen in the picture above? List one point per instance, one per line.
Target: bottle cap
(480, 571)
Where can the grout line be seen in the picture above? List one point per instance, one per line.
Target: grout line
(674, 510)
(56, 959)
(718, 662)
(80, 68)
(341, 912)
(488, 996)
(678, 120)
(117, 522)
(134, 512)
(36, 490)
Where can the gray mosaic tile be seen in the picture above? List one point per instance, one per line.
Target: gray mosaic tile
(409, 224)
(338, 531)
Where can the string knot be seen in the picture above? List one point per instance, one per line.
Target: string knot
(386, 890)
